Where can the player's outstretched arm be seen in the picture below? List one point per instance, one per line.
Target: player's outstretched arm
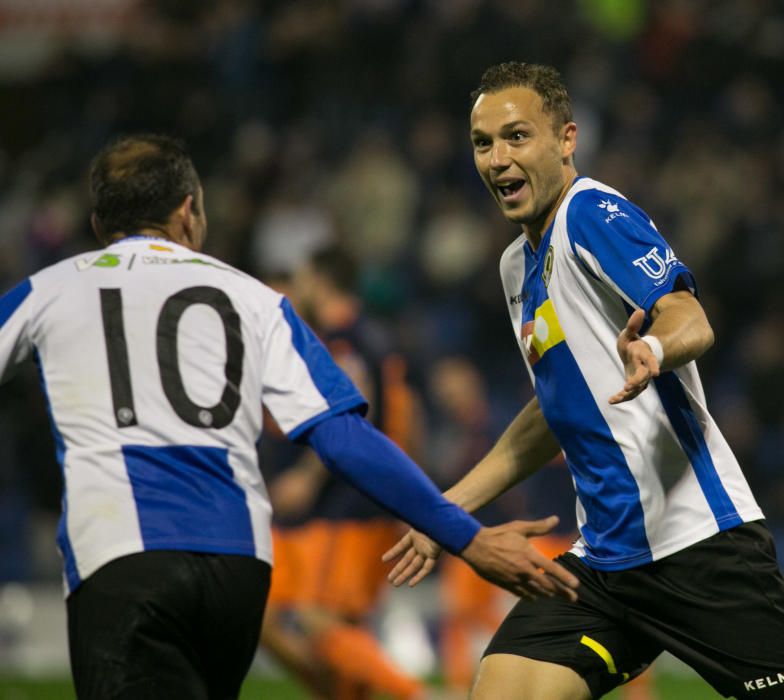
(680, 333)
(353, 449)
(525, 446)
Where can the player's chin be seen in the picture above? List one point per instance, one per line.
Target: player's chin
(515, 215)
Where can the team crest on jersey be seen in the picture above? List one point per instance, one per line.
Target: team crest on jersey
(654, 265)
(547, 272)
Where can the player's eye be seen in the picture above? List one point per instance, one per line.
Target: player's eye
(518, 136)
(481, 143)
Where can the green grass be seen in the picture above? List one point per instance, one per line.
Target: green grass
(667, 687)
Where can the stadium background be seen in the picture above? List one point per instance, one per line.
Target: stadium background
(313, 121)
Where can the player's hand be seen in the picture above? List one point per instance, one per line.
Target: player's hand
(417, 555)
(505, 556)
(639, 363)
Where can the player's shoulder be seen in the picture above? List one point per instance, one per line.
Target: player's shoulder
(592, 208)
(590, 198)
(64, 270)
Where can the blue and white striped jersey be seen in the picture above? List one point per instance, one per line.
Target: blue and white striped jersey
(652, 475)
(155, 361)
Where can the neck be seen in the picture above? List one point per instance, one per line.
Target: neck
(535, 230)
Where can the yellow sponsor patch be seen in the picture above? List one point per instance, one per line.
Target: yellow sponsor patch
(546, 332)
(162, 248)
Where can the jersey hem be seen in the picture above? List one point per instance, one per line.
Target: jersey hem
(662, 551)
(87, 570)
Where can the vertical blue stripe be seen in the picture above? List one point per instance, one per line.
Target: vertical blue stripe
(186, 498)
(12, 300)
(63, 541)
(331, 381)
(614, 530)
(684, 422)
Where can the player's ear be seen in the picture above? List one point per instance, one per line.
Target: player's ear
(568, 140)
(184, 216)
(97, 227)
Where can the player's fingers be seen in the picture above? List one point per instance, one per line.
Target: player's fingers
(521, 592)
(427, 567)
(634, 324)
(537, 589)
(556, 571)
(620, 397)
(565, 592)
(405, 574)
(401, 567)
(534, 528)
(397, 549)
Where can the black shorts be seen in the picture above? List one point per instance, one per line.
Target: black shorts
(717, 605)
(165, 624)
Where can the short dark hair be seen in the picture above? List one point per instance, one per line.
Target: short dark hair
(336, 264)
(137, 181)
(544, 80)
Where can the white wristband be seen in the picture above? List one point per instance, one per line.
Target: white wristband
(656, 347)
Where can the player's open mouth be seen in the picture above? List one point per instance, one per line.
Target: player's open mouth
(510, 188)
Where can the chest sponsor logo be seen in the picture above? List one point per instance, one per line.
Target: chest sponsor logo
(541, 334)
(654, 265)
(762, 683)
(612, 209)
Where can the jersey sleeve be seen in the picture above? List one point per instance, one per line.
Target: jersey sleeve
(15, 314)
(619, 244)
(353, 449)
(302, 385)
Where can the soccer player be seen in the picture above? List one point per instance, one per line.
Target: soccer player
(155, 360)
(673, 553)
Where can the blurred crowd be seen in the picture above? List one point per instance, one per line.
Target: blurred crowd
(315, 122)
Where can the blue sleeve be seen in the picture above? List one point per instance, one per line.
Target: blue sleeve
(15, 343)
(332, 383)
(618, 243)
(353, 449)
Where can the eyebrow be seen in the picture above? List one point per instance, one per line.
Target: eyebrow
(507, 127)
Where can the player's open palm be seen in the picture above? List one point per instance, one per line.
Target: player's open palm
(639, 362)
(417, 555)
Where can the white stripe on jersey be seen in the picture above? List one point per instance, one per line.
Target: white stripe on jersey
(653, 475)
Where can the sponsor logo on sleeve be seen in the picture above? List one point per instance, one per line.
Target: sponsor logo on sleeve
(612, 209)
(654, 265)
